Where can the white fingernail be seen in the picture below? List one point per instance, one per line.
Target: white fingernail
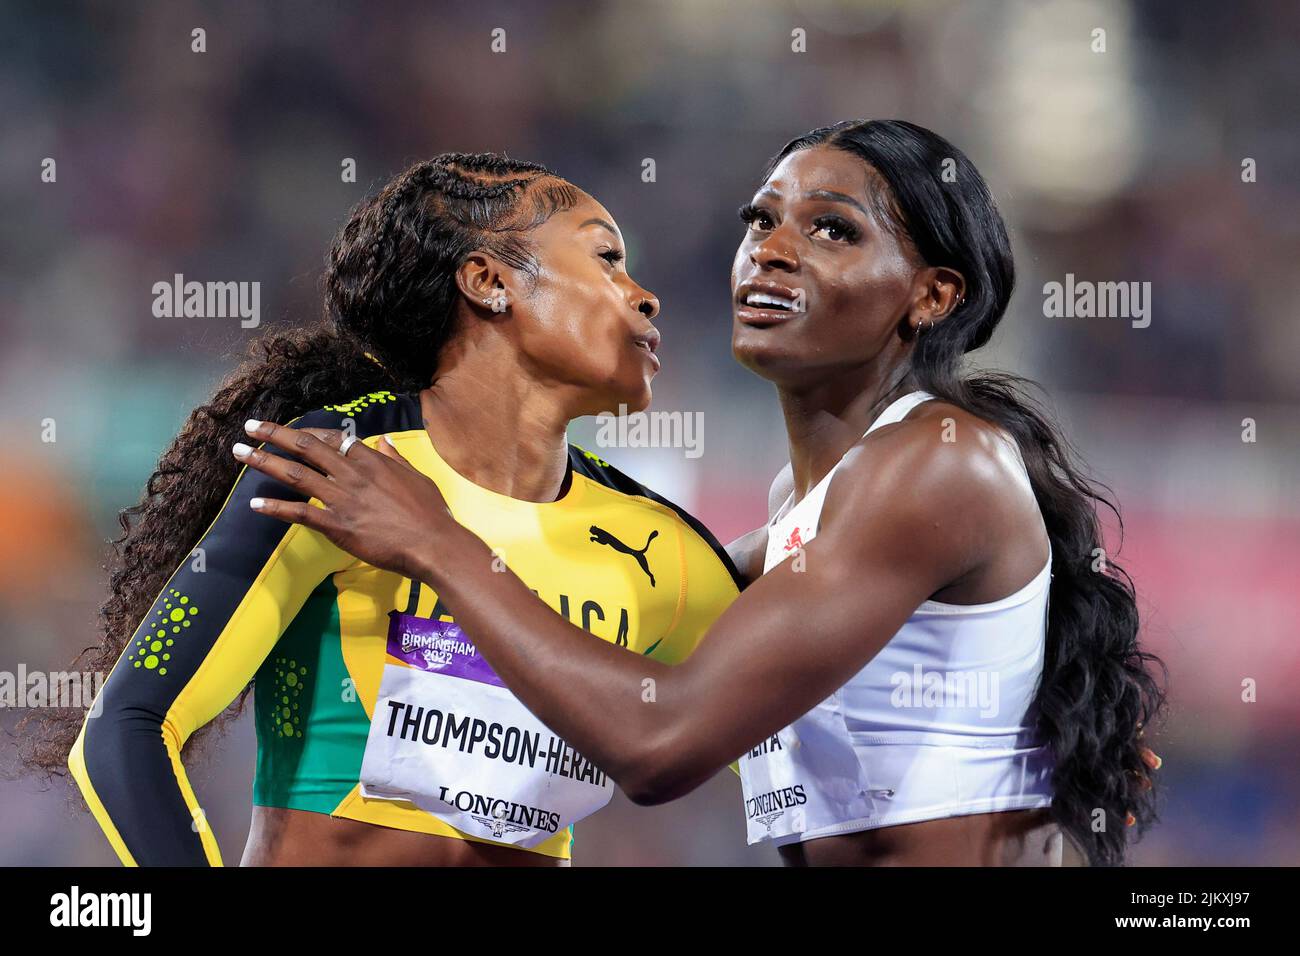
(241, 450)
(257, 504)
(252, 425)
(389, 440)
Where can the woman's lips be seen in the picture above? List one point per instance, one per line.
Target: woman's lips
(644, 349)
(762, 318)
(763, 303)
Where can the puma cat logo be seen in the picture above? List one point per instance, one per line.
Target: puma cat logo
(601, 536)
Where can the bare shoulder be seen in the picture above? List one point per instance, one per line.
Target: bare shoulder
(945, 444)
(954, 469)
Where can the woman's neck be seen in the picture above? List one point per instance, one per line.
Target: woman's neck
(825, 420)
(498, 429)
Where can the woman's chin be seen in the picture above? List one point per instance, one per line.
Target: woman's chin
(758, 353)
(624, 401)
(640, 401)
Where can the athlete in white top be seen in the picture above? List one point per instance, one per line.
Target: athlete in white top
(893, 679)
(938, 724)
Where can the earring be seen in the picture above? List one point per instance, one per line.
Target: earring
(924, 326)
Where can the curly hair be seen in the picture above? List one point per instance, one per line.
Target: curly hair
(1098, 693)
(389, 293)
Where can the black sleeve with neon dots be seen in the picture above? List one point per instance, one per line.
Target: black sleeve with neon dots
(126, 760)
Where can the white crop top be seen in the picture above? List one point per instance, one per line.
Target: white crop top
(938, 724)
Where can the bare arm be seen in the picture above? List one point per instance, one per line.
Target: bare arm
(789, 640)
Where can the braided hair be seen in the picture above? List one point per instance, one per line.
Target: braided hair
(390, 292)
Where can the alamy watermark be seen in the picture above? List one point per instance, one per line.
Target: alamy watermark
(208, 300)
(133, 911)
(683, 430)
(947, 689)
(25, 688)
(1101, 300)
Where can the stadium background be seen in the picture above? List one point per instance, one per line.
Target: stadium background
(1116, 166)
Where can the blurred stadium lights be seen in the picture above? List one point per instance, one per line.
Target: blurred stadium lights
(1062, 124)
(850, 17)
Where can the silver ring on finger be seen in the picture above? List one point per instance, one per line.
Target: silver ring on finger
(348, 442)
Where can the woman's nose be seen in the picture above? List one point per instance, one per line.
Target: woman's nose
(647, 303)
(775, 252)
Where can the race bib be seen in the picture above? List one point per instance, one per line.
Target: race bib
(805, 779)
(448, 736)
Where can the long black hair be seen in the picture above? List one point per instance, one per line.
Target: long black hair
(389, 292)
(1098, 691)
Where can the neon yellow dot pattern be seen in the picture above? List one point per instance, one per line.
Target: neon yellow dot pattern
(362, 403)
(593, 456)
(153, 644)
(290, 681)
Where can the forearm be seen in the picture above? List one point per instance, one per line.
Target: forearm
(112, 763)
(661, 731)
(195, 649)
(623, 711)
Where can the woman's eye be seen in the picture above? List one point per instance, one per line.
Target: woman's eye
(612, 256)
(755, 217)
(835, 228)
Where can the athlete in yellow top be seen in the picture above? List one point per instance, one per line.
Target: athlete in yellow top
(491, 295)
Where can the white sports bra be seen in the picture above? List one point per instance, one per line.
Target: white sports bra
(938, 724)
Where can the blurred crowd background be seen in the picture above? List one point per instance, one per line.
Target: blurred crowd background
(1123, 165)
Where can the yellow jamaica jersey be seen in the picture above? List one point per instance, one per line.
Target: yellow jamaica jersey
(307, 623)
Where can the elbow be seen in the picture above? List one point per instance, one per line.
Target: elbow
(651, 793)
(663, 770)
(76, 762)
(76, 769)
(646, 791)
